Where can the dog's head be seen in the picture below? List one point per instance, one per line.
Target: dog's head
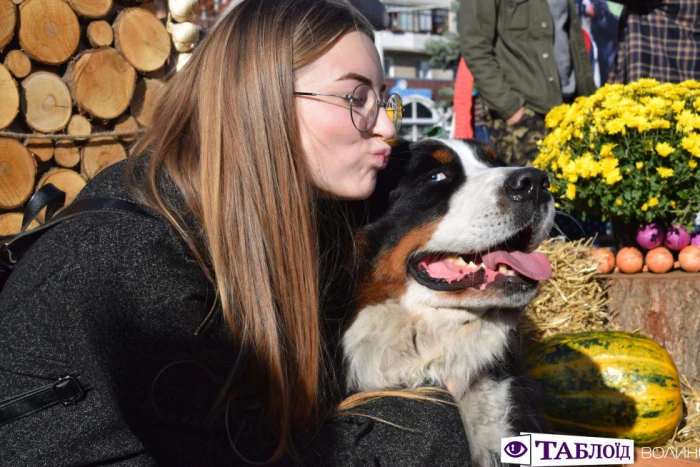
(457, 230)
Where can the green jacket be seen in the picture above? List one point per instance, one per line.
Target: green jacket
(508, 46)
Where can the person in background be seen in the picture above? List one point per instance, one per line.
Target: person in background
(659, 39)
(527, 56)
(202, 330)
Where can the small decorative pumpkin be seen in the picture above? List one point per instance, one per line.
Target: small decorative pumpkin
(659, 260)
(605, 260)
(608, 384)
(629, 260)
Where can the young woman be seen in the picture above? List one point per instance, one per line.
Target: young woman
(196, 329)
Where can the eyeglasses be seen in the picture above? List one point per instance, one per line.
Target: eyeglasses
(364, 106)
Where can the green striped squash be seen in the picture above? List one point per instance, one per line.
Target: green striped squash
(608, 384)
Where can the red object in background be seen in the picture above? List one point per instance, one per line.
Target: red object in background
(587, 40)
(464, 85)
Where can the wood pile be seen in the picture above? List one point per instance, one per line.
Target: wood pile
(78, 79)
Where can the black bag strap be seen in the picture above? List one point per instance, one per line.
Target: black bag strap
(12, 247)
(47, 196)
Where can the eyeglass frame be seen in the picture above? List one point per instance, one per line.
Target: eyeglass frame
(348, 97)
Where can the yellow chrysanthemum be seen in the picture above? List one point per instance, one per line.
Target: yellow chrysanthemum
(606, 149)
(645, 206)
(664, 149)
(692, 164)
(691, 143)
(618, 201)
(639, 165)
(673, 204)
(571, 191)
(654, 201)
(664, 172)
(678, 106)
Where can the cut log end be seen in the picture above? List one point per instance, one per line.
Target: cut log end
(42, 148)
(17, 173)
(100, 153)
(18, 63)
(50, 31)
(8, 21)
(11, 223)
(92, 9)
(145, 99)
(141, 39)
(47, 102)
(102, 82)
(66, 180)
(79, 125)
(126, 123)
(66, 154)
(9, 97)
(100, 34)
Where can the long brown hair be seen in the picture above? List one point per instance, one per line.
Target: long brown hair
(225, 132)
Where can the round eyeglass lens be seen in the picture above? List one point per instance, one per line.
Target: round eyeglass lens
(394, 108)
(363, 107)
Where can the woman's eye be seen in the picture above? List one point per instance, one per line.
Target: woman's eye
(437, 177)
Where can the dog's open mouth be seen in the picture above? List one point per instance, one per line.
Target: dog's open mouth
(503, 264)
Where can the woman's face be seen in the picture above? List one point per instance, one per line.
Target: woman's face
(344, 161)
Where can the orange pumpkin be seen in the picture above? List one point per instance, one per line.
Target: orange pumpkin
(629, 260)
(605, 260)
(659, 260)
(689, 258)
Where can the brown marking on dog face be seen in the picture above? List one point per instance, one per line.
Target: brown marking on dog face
(387, 279)
(443, 156)
(489, 152)
(502, 206)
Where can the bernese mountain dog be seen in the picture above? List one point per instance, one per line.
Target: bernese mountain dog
(450, 265)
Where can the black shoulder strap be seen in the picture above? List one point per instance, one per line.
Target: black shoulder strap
(13, 246)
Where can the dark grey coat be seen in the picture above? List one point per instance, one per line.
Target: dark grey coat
(116, 299)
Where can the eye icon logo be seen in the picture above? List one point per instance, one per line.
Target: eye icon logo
(515, 449)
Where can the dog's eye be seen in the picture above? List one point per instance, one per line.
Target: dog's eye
(437, 177)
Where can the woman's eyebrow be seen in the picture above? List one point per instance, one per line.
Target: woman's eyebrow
(361, 78)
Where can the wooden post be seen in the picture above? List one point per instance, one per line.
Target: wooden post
(665, 307)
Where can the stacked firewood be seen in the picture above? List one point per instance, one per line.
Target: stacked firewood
(78, 79)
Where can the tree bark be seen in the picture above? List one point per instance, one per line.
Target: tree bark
(141, 39)
(49, 30)
(663, 306)
(47, 102)
(9, 96)
(17, 173)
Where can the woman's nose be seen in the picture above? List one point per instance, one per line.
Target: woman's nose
(384, 126)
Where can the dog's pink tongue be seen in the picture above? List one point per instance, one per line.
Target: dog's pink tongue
(533, 265)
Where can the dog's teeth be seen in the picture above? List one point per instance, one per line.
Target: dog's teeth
(480, 266)
(460, 261)
(502, 268)
(511, 273)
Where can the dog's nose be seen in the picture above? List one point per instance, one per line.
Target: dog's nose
(528, 185)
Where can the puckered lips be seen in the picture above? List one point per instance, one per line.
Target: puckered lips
(503, 265)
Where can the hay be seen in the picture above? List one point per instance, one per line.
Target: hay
(574, 300)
